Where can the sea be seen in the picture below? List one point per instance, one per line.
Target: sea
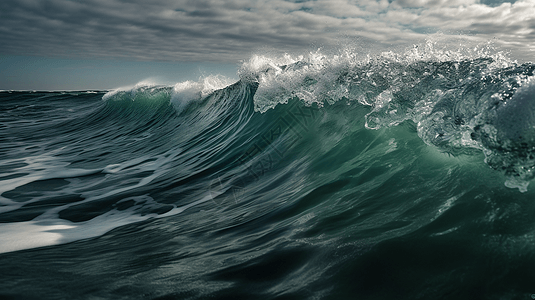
(326, 175)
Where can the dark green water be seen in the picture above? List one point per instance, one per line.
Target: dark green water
(336, 178)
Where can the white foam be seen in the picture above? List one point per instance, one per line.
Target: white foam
(130, 89)
(48, 229)
(40, 233)
(38, 167)
(186, 92)
(181, 94)
(517, 183)
(26, 235)
(320, 77)
(48, 232)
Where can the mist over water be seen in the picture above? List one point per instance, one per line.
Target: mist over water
(326, 175)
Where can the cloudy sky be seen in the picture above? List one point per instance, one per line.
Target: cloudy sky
(102, 44)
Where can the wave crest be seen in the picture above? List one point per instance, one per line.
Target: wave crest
(462, 100)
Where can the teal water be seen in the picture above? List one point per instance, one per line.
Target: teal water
(402, 176)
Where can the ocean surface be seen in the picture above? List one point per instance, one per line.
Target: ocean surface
(401, 175)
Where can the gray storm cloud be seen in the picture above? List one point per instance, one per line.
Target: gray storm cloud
(223, 31)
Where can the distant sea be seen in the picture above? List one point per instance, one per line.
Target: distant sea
(404, 175)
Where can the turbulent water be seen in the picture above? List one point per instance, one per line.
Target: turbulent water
(324, 176)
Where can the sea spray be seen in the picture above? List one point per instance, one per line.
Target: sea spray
(453, 96)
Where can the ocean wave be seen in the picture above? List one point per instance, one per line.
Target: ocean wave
(180, 94)
(298, 125)
(461, 100)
